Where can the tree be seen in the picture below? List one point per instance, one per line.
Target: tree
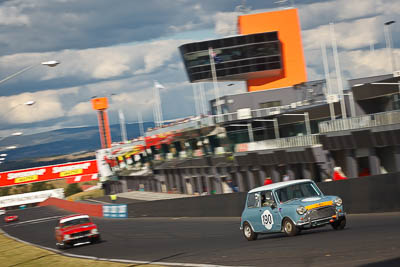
(39, 187)
(5, 191)
(72, 189)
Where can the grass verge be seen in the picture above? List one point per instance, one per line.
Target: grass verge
(85, 195)
(14, 253)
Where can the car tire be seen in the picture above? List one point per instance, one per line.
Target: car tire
(289, 227)
(248, 232)
(96, 240)
(61, 245)
(339, 225)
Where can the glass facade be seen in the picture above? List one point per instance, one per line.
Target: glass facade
(234, 57)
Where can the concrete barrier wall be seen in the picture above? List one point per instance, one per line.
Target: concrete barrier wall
(222, 205)
(380, 193)
(89, 209)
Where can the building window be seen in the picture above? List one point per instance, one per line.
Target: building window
(270, 104)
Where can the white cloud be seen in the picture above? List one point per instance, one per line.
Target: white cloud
(47, 106)
(349, 35)
(12, 16)
(226, 23)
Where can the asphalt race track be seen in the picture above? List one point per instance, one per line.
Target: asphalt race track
(368, 240)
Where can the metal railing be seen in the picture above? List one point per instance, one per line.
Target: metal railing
(295, 141)
(367, 121)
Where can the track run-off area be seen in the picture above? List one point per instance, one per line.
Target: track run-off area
(368, 240)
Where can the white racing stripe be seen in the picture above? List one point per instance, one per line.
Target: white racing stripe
(36, 221)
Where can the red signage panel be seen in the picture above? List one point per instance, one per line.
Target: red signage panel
(47, 173)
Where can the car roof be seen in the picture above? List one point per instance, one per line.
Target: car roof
(278, 185)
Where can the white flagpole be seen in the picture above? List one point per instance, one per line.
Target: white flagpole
(159, 106)
(140, 120)
(338, 72)
(327, 78)
(122, 125)
(203, 99)
(155, 108)
(195, 99)
(215, 82)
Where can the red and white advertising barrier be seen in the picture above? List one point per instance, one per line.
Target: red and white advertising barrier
(86, 170)
(29, 198)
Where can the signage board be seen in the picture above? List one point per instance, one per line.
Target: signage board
(115, 211)
(29, 198)
(46, 173)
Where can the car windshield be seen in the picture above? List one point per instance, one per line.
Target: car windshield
(297, 191)
(76, 222)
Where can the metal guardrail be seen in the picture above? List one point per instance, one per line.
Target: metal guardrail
(367, 121)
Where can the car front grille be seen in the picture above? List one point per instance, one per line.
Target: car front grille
(321, 213)
(83, 233)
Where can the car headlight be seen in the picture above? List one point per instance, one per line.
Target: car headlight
(301, 210)
(67, 237)
(338, 201)
(94, 231)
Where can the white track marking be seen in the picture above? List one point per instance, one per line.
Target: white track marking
(118, 260)
(35, 221)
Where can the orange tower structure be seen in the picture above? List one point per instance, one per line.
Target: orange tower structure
(286, 23)
(101, 105)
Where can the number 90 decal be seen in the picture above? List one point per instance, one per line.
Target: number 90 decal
(267, 220)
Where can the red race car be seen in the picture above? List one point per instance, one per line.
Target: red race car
(76, 229)
(11, 218)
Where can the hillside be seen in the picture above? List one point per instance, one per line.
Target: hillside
(59, 146)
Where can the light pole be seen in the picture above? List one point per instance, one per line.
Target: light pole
(389, 44)
(306, 120)
(51, 63)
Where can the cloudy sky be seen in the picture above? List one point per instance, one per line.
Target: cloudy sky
(118, 48)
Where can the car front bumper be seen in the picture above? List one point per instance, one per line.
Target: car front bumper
(81, 239)
(311, 223)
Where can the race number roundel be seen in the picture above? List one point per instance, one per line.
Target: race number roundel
(267, 220)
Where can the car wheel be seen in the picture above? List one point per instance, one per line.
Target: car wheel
(290, 228)
(61, 245)
(248, 232)
(339, 225)
(96, 240)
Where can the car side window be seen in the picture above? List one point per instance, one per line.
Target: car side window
(253, 200)
(267, 198)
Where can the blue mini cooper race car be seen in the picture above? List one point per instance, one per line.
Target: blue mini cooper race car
(290, 207)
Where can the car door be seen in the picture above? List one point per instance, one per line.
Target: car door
(252, 214)
(269, 215)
